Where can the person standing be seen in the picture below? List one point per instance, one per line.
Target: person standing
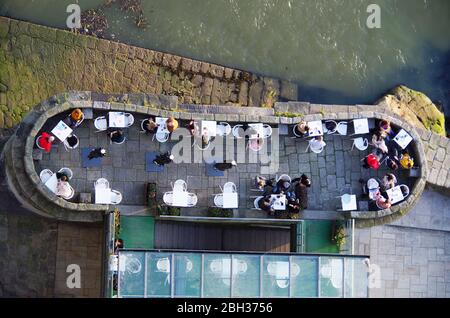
(97, 153)
(222, 166)
(163, 159)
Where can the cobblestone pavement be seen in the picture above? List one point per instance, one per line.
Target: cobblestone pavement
(335, 171)
(414, 252)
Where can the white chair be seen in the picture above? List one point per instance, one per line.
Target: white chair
(329, 131)
(360, 143)
(405, 189)
(295, 132)
(163, 265)
(256, 203)
(192, 199)
(70, 195)
(162, 136)
(236, 130)
(218, 200)
(179, 186)
(341, 128)
(101, 123)
(143, 124)
(229, 187)
(67, 146)
(223, 129)
(45, 175)
(101, 183)
(120, 142)
(116, 197)
(78, 123)
(129, 119)
(37, 142)
(267, 131)
(168, 198)
(254, 145)
(284, 177)
(315, 146)
(68, 172)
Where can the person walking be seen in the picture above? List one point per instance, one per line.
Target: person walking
(97, 153)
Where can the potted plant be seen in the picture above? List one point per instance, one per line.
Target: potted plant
(116, 223)
(168, 210)
(216, 212)
(151, 196)
(339, 236)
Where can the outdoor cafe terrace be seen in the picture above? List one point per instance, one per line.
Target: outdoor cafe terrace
(334, 171)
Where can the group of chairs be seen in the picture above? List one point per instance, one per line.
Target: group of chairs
(102, 183)
(180, 186)
(228, 187)
(283, 177)
(46, 174)
(101, 124)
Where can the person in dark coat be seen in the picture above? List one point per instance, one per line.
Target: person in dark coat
(222, 166)
(301, 190)
(163, 159)
(97, 153)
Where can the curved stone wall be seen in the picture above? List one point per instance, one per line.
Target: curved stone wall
(25, 179)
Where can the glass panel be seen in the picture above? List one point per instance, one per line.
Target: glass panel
(158, 274)
(304, 276)
(132, 273)
(187, 274)
(275, 276)
(246, 275)
(356, 277)
(331, 274)
(217, 275)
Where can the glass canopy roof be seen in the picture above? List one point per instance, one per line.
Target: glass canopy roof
(167, 274)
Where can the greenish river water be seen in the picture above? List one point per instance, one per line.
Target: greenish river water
(323, 45)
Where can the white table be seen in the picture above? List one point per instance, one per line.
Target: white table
(52, 183)
(361, 126)
(349, 202)
(259, 127)
(278, 201)
(403, 139)
(395, 194)
(180, 199)
(116, 119)
(210, 127)
(315, 128)
(230, 200)
(102, 196)
(162, 127)
(61, 131)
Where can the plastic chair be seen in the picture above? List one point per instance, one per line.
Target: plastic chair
(218, 200)
(71, 195)
(180, 186)
(267, 131)
(256, 203)
(45, 175)
(295, 132)
(192, 199)
(68, 172)
(405, 190)
(78, 123)
(37, 142)
(116, 197)
(284, 177)
(66, 143)
(315, 146)
(129, 120)
(223, 129)
(168, 198)
(360, 143)
(143, 124)
(101, 183)
(341, 128)
(162, 137)
(236, 130)
(100, 123)
(229, 187)
(329, 131)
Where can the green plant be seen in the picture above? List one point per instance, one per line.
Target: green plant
(340, 236)
(289, 114)
(168, 210)
(270, 99)
(216, 212)
(116, 223)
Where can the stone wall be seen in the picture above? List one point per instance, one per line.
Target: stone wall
(437, 149)
(37, 62)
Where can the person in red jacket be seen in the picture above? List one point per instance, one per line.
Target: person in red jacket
(45, 141)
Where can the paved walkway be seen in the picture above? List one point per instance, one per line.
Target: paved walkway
(414, 252)
(334, 171)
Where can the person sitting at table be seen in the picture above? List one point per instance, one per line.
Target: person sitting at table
(262, 182)
(63, 188)
(171, 124)
(301, 191)
(293, 206)
(281, 186)
(256, 144)
(192, 127)
(317, 142)
(222, 166)
(117, 136)
(163, 159)
(389, 181)
(371, 161)
(382, 203)
(385, 129)
(406, 162)
(97, 153)
(62, 176)
(302, 128)
(150, 126)
(75, 117)
(45, 141)
(378, 141)
(205, 141)
(266, 205)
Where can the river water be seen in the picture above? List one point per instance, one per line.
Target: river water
(323, 45)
